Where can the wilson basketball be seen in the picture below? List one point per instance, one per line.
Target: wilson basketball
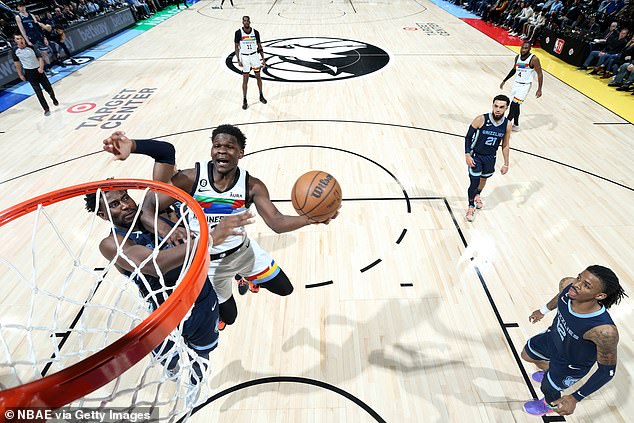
(317, 195)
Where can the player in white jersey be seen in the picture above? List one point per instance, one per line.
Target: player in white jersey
(249, 53)
(222, 188)
(526, 66)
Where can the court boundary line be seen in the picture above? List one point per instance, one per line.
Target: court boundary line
(396, 125)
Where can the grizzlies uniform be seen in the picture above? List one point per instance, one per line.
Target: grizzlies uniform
(249, 49)
(33, 31)
(484, 146)
(571, 357)
(238, 254)
(200, 330)
(524, 76)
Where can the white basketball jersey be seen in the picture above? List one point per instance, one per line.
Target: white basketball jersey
(523, 71)
(216, 204)
(248, 42)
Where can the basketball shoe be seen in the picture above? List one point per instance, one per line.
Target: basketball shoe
(537, 407)
(478, 202)
(470, 216)
(243, 284)
(538, 376)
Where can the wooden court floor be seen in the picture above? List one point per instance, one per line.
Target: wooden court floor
(426, 313)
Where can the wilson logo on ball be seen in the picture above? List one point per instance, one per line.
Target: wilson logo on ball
(321, 186)
(316, 195)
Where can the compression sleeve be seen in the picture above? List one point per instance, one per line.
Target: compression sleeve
(160, 151)
(602, 376)
(468, 139)
(511, 73)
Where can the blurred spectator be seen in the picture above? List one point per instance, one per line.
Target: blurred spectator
(521, 19)
(535, 22)
(612, 7)
(572, 14)
(7, 9)
(624, 78)
(59, 18)
(611, 67)
(57, 42)
(82, 9)
(614, 46)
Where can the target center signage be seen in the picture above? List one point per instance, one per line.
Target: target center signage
(115, 111)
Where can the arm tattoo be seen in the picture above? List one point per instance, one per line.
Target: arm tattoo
(606, 338)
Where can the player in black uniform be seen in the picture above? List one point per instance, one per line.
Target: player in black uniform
(582, 334)
(483, 138)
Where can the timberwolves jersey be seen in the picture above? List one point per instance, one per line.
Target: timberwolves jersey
(523, 71)
(488, 138)
(216, 204)
(569, 327)
(31, 28)
(248, 42)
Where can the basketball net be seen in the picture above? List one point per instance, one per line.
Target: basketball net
(73, 328)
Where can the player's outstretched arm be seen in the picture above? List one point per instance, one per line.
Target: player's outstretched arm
(273, 218)
(166, 260)
(606, 338)
(163, 153)
(551, 305)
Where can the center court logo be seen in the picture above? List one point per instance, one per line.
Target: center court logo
(316, 59)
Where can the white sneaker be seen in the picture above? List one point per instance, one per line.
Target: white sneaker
(516, 128)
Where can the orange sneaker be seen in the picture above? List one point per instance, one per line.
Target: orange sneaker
(243, 285)
(470, 216)
(221, 325)
(253, 287)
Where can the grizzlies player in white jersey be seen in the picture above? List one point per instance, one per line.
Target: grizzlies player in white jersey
(581, 334)
(223, 189)
(249, 52)
(526, 66)
(486, 133)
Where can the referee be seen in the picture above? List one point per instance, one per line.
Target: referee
(30, 66)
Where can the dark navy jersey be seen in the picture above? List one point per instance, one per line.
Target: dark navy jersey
(158, 291)
(488, 138)
(568, 329)
(31, 28)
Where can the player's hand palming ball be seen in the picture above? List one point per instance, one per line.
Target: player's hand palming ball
(316, 195)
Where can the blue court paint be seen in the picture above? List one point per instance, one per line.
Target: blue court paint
(9, 99)
(455, 10)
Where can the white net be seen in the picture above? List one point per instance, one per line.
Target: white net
(63, 302)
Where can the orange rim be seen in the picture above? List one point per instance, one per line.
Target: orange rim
(78, 380)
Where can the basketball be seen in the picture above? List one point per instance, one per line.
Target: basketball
(317, 195)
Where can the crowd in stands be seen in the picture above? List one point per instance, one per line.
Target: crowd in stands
(66, 13)
(608, 25)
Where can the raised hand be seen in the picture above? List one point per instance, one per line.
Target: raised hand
(119, 145)
(230, 225)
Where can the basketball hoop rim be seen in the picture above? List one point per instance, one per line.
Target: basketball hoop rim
(78, 380)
